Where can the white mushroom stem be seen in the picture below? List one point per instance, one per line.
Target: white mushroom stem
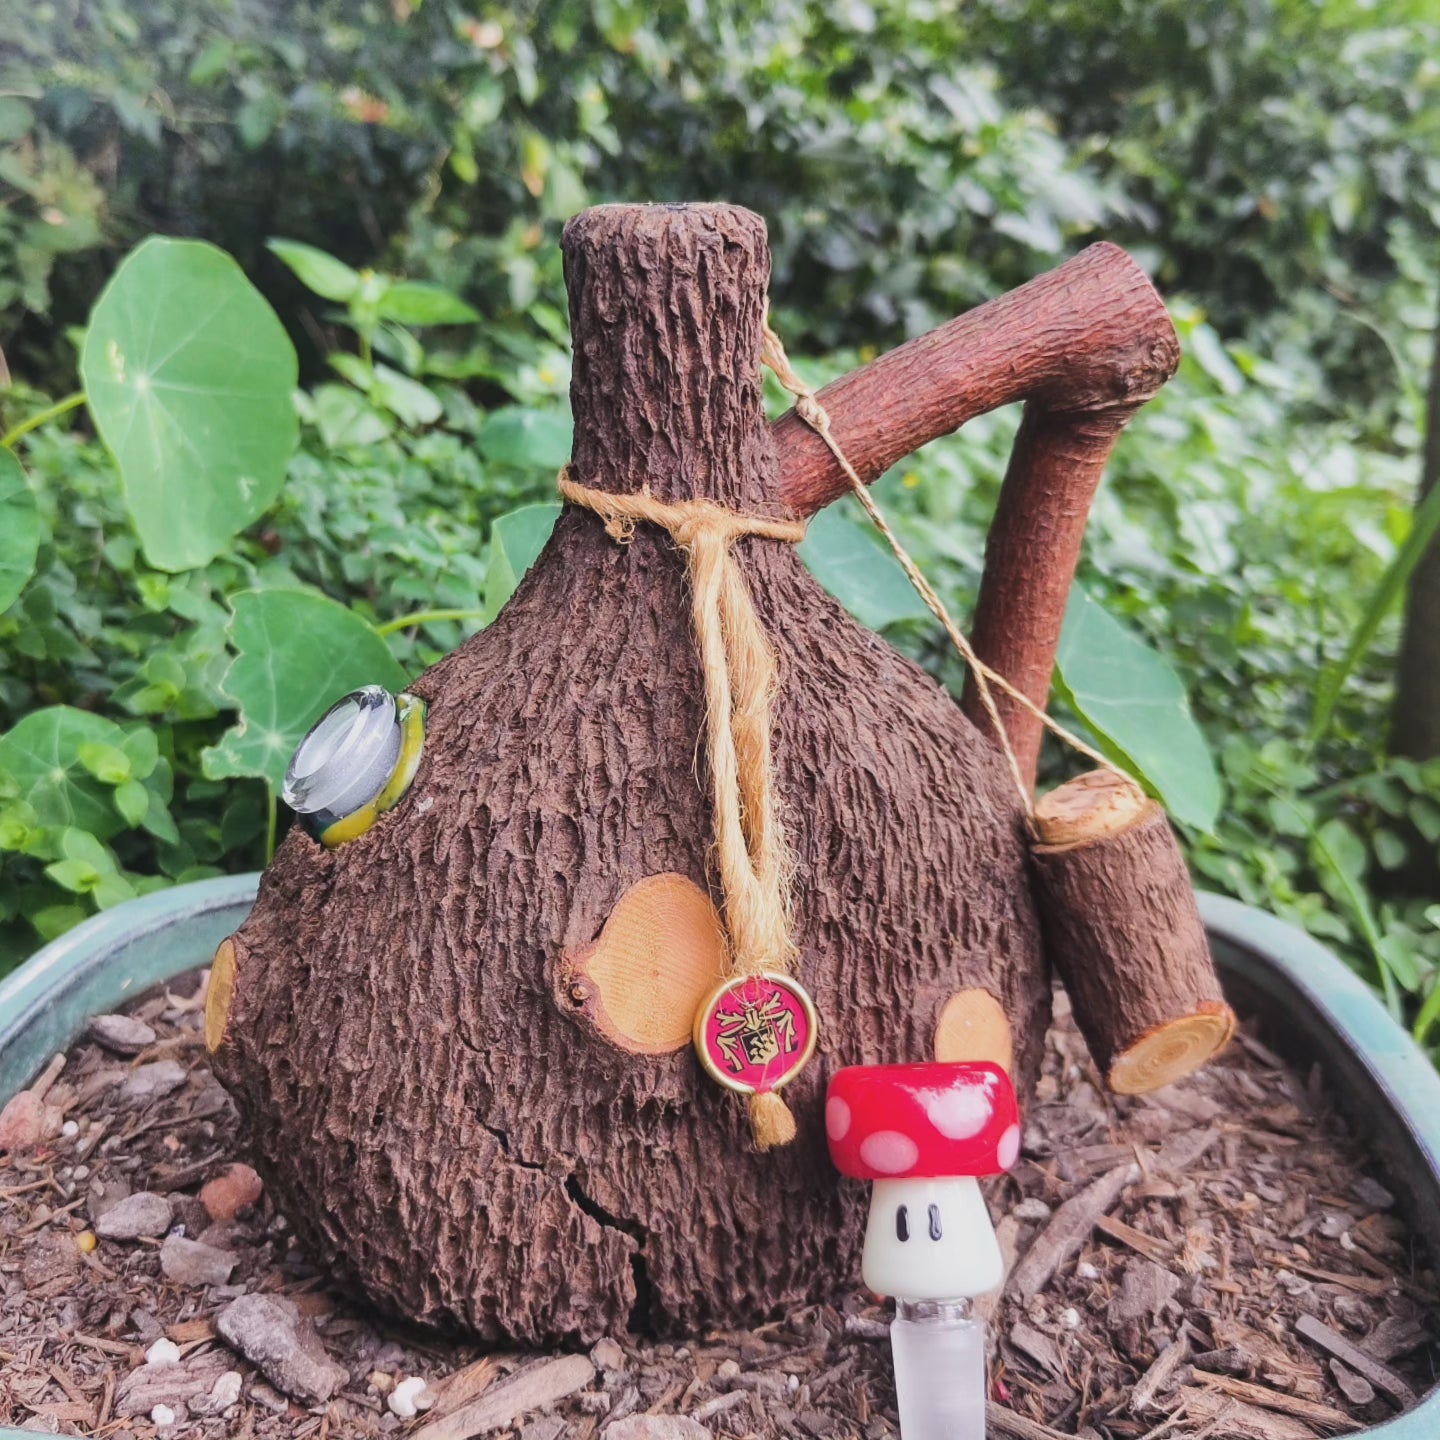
(930, 1244)
(930, 1239)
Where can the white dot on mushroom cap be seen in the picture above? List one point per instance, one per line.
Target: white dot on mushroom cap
(837, 1118)
(959, 1114)
(889, 1152)
(1007, 1152)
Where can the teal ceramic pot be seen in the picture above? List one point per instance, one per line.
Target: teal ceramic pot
(1321, 1011)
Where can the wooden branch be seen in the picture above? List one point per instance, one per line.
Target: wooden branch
(1121, 923)
(1084, 346)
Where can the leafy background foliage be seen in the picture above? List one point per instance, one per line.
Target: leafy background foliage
(392, 179)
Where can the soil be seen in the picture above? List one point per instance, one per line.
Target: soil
(1217, 1260)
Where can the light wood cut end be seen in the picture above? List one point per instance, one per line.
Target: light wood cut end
(661, 952)
(1089, 808)
(1172, 1051)
(218, 994)
(972, 1026)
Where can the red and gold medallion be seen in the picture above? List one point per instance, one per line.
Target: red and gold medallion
(755, 1033)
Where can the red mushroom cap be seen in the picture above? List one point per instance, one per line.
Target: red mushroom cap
(894, 1122)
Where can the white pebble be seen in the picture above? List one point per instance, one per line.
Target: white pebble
(409, 1397)
(70, 1129)
(162, 1415)
(1070, 1318)
(81, 1172)
(1086, 1271)
(163, 1352)
(226, 1390)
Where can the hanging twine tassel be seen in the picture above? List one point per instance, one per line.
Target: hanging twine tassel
(771, 1122)
(738, 665)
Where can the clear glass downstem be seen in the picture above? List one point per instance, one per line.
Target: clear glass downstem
(939, 1370)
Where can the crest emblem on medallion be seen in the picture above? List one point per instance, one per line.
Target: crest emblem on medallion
(755, 1032)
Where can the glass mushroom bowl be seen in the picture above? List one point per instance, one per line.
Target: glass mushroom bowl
(923, 1135)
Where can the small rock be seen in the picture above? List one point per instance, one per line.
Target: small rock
(121, 1034)
(150, 1082)
(272, 1334)
(136, 1217)
(163, 1352)
(1145, 1290)
(410, 1397)
(608, 1355)
(1086, 1271)
(269, 1398)
(146, 1327)
(1031, 1208)
(1356, 1388)
(188, 1262)
(226, 1195)
(656, 1427)
(226, 1390)
(193, 1216)
(26, 1121)
(105, 1195)
(162, 1415)
(727, 1370)
(70, 1129)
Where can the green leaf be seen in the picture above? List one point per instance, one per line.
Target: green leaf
(1424, 526)
(19, 530)
(517, 435)
(189, 377)
(107, 763)
(1400, 958)
(516, 540)
(862, 575)
(415, 302)
(142, 750)
(76, 876)
(413, 402)
(345, 418)
(324, 274)
(54, 920)
(42, 754)
(1134, 703)
(132, 800)
(297, 653)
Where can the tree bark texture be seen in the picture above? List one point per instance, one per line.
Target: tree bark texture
(1084, 346)
(1415, 726)
(1120, 919)
(422, 1093)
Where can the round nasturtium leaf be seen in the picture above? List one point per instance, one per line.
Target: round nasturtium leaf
(1135, 705)
(41, 754)
(19, 530)
(298, 652)
(189, 376)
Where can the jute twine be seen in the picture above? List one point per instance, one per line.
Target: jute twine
(738, 665)
(814, 414)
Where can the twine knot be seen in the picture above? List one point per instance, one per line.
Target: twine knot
(738, 665)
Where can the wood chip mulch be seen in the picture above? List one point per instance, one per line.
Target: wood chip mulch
(1219, 1260)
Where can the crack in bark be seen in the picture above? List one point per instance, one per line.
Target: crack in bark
(641, 1317)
